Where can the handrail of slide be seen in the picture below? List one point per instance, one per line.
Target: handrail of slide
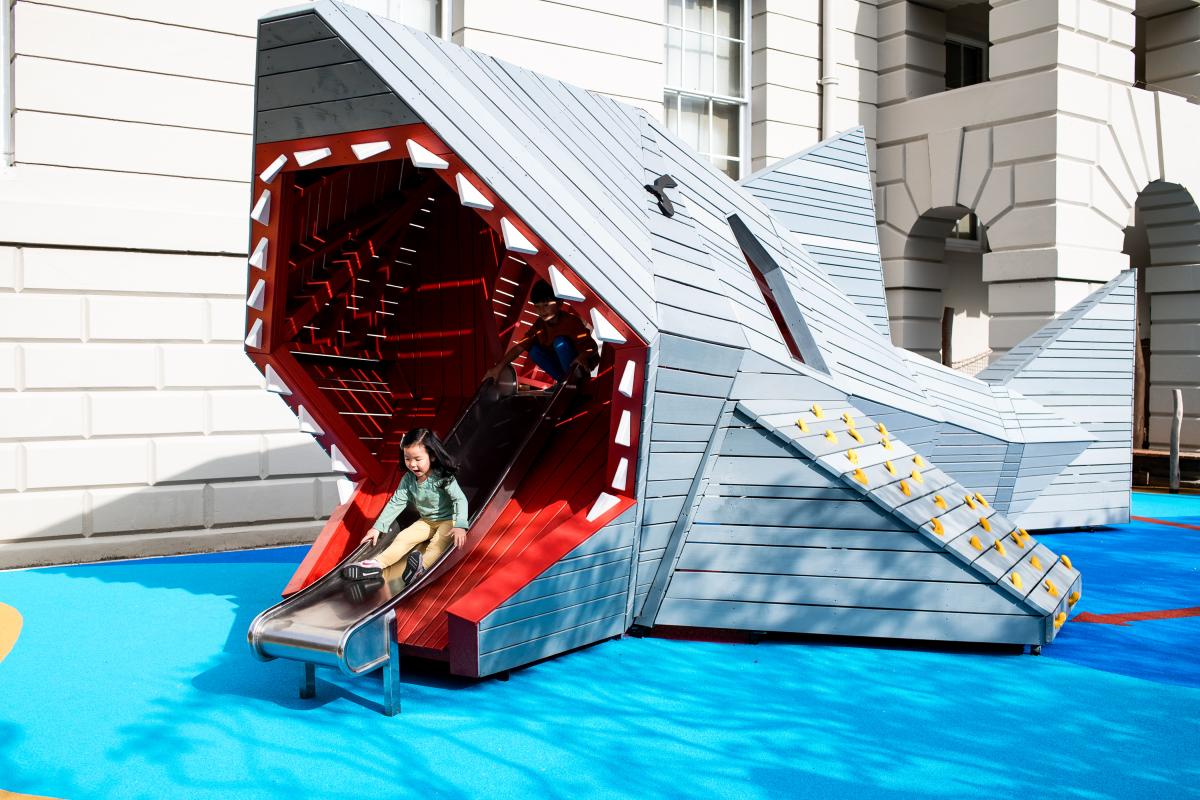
(321, 625)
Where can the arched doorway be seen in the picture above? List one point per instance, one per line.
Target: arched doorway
(1164, 246)
(949, 243)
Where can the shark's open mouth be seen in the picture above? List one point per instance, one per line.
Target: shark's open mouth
(386, 279)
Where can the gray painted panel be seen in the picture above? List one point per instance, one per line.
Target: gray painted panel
(339, 116)
(800, 513)
(318, 85)
(304, 56)
(557, 584)
(677, 351)
(534, 607)
(776, 560)
(553, 622)
(292, 30)
(936, 626)
(904, 595)
(551, 645)
(812, 537)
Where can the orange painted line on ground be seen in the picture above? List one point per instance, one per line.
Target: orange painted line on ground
(1137, 616)
(1167, 522)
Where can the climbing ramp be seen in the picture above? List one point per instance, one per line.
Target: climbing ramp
(856, 534)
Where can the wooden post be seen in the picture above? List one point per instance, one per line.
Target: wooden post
(947, 336)
(1140, 391)
(1176, 429)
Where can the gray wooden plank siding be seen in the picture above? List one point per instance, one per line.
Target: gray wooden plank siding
(878, 623)
(310, 83)
(579, 225)
(579, 600)
(820, 211)
(1091, 345)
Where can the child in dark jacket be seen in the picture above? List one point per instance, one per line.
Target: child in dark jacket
(557, 342)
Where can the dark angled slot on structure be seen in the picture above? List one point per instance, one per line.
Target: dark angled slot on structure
(778, 296)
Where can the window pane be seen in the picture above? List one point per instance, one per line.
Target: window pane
(972, 65)
(698, 62)
(729, 68)
(691, 14)
(693, 122)
(729, 18)
(671, 104)
(953, 65)
(726, 129)
(728, 166)
(674, 12)
(674, 57)
(706, 16)
(425, 15)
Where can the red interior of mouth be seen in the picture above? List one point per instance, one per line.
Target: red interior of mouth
(387, 302)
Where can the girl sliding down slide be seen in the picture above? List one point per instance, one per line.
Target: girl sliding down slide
(430, 485)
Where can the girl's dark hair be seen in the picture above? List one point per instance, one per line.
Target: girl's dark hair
(439, 460)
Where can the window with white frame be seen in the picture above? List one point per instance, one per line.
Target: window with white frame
(705, 92)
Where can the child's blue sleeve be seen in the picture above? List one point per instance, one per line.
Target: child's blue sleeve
(459, 501)
(395, 504)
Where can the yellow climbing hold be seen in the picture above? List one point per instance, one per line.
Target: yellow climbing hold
(848, 419)
(882, 428)
(861, 477)
(1073, 599)
(830, 435)
(857, 436)
(904, 488)
(939, 501)
(970, 503)
(890, 467)
(1066, 562)
(1016, 579)
(974, 541)
(999, 545)
(1024, 533)
(918, 461)
(1016, 537)
(852, 456)
(817, 412)
(1035, 562)
(802, 425)
(1051, 588)
(886, 442)
(916, 476)
(979, 497)
(937, 526)
(983, 523)
(1059, 619)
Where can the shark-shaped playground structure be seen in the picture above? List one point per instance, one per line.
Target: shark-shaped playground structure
(753, 453)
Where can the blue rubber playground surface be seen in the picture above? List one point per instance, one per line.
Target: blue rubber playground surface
(133, 680)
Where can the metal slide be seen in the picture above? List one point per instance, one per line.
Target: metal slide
(345, 624)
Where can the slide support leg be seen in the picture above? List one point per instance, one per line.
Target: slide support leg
(308, 681)
(391, 670)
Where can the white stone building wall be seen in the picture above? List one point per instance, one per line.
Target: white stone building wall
(130, 420)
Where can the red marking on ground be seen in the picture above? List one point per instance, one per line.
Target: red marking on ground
(1167, 522)
(1137, 616)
